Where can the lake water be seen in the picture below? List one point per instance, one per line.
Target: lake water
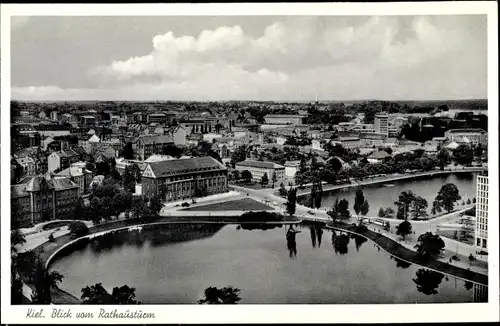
(175, 263)
(380, 196)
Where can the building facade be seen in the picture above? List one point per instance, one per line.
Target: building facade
(481, 228)
(146, 146)
(381, 123)
(181, 179)
(259, 168)
(284, 119)
(42, 198)
(471, 135)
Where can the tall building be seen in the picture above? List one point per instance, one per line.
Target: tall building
(381, 123)
(481, 231)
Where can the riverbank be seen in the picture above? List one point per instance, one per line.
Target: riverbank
(399, 251)
(390, 178)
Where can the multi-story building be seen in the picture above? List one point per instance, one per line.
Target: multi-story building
(157, 118)
(473, 136)
(259, 168)
(79, 175)
(28, 164)
(480, 292)
(284, 119)
(381, 123)
(146, 146)
(53, 115)
(481, 228)
(88, 120)
(61, 160)
(184, 178)
(42, 198)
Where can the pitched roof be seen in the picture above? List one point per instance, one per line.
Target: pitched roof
(148, 140)
(94, 139)
(188, 165)
(260, 164)
(379, 155)
(454, 131)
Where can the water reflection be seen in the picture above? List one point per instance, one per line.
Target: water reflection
(340, 243)
(156, 236)
(257, 226)
(291, 243)
(316, 232)
(400, 263)
(358, 240)
(428, 281)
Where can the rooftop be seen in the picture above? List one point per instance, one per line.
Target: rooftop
(187, 165)
(454, 131)
(260, 164)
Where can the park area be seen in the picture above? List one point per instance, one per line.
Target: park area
(245, 204)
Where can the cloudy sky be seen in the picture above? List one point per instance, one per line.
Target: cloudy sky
(249, 58)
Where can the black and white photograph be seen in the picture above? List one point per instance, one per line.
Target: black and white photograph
(264, 159)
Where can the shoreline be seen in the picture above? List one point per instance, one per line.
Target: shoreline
(397, 250)
(328, 188)
(49, 250)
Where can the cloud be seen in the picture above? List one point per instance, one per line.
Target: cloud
(295, 58)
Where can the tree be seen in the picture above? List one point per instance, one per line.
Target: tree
(16, 238)
(335, 163)
(343, 210)
(172, 150)
(463, 155)
(80, 210)
(389, 212)
(360, 203)
(247, 176)
(291, 201)
(274, 178)
(226, 295)
(447, 196)
(78, 229)
(240, 154)
(43, 282)
(428, 281)
(128, 180)
(468, 201)
(436, 208)
(419, 207)
(471, 259)
(97, 294)
(403, 204)
(467, 229)
(319, 195)
(478, 151)
(264, 180)
(128, 151)
(429, 245)
(282, 191)
(381, 212)
(333, 213)
(404, 229)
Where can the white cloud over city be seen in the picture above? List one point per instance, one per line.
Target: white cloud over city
(291, 58)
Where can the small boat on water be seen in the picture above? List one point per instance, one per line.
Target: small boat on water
(388, 185)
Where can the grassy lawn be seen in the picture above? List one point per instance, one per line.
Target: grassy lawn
(245, 204)
(451, 235)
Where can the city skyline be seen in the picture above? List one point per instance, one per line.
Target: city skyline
(165, 58)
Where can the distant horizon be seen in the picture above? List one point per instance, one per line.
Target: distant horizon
(262, 101)
(249, 58)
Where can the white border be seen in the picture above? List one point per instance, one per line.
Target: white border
(266, 313)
